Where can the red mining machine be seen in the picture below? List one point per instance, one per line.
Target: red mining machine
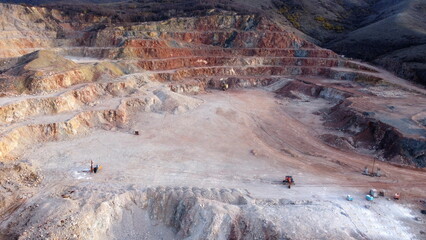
(289, 181)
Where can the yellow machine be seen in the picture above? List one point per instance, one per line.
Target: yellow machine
(224, 86)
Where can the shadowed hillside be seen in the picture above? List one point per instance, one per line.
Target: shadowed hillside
(388, 33)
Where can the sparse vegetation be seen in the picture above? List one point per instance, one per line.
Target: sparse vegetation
(294, 19)
(329, 26)
(320, 19)
(292, 15)
(146, 10)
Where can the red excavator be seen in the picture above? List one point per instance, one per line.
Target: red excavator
(288, 180)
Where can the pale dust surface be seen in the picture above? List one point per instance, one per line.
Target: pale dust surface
(245, 139)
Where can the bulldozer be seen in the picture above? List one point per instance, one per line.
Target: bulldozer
(289, 181)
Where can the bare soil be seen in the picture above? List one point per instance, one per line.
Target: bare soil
(246, 141)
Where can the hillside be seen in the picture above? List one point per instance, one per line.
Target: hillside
(383, 32)
(391, 34)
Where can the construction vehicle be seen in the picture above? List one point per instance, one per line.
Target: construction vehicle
(396, 196)
(94, 169)
(373, 193)
(288, 180)
(224, 86)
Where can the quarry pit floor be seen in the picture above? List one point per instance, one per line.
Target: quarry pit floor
(244, 139)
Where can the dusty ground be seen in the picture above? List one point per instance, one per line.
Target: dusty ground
(245, 140)
(207, 164)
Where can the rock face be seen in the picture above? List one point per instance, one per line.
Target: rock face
(187, 54)
(44, 71)
(215, 47)
(62, 75)
(190, 54)
(388, 33)
(26, 29)
(396, 143)
(383, 119)
(73, 114)
(184, 212)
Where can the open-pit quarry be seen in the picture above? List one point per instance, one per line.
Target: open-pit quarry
(206, 163)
